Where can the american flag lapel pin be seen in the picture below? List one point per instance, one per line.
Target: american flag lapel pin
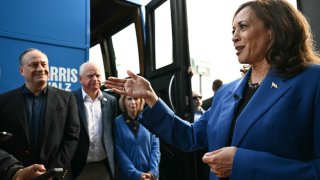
(274, 85)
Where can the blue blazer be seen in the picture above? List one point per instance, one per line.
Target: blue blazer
(135, 155)
(277, 134)
(109, 113)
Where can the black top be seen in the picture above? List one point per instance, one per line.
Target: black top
(133, 124)
(249, 92)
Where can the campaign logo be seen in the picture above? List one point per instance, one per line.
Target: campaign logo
(63, 77)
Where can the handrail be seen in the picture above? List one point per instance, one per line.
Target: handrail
(169, 93)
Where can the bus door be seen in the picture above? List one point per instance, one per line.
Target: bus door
(154, 47)
(167, 68)
(117, 38)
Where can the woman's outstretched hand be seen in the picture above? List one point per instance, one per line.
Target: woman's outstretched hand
(135, 86)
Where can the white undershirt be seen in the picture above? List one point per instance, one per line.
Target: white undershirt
(95, 127)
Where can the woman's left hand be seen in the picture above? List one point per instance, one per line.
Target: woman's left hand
(146, 176)
(220, 161)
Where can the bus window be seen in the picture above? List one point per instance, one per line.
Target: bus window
(95, 56)
(163, 35)
(126, 51)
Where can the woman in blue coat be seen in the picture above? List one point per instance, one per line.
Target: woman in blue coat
(137, 150)
(265, 125)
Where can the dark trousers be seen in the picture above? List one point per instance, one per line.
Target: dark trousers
(94, 171)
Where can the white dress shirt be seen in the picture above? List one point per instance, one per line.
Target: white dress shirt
(95, 127)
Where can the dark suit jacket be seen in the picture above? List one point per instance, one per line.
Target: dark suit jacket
(207, 103)
(109, 112)
(60, 133)
(9, 165)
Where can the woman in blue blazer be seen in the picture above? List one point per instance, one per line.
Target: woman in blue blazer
(265, 125)
(137, 149)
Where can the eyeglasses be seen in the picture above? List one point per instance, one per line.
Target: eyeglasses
(197, 97)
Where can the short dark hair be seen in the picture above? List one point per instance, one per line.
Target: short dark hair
(216, 85)
(26, 51)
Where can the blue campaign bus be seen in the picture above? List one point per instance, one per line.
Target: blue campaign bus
(153, 40)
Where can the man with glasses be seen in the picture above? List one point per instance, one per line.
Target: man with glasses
(197, 105)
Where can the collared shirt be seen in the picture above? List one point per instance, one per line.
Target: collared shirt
(35, 107)
(95, 127)
(198, 114)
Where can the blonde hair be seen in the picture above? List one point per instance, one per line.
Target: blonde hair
(123, 106)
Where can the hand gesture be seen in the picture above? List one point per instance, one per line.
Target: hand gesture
(220, 161)
(136, 86)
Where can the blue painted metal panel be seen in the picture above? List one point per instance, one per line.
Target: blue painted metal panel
(59, 28)
(57, 20)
